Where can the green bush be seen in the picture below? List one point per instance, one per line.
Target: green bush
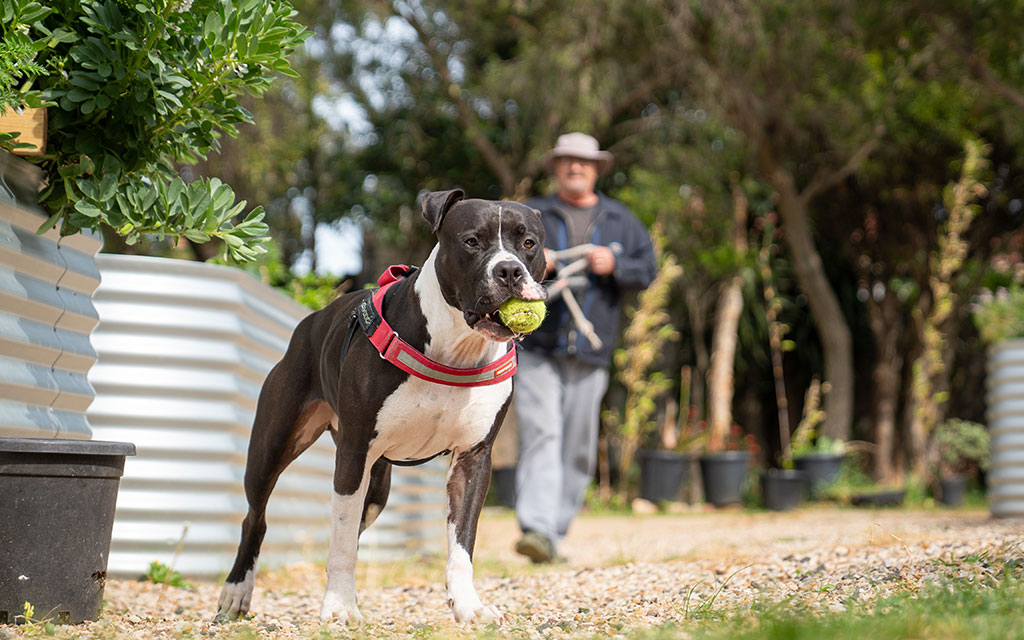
(134, 88)
(963, 446)
(1000, 316)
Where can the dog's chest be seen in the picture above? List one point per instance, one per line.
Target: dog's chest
(422, 418)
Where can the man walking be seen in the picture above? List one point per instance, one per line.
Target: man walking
(563, 374)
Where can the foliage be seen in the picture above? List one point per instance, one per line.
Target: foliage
(159, 573)
(944, 263)
(806, 439)
(1000, 316)
(962, 445)
(134, 90)
(739, 440)
(644, 342)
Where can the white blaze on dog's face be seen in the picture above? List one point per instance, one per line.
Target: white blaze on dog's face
(493, 251)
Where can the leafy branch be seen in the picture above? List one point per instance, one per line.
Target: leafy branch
(136, 89)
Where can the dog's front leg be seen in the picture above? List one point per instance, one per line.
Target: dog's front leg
(468, 478)
(351, 478)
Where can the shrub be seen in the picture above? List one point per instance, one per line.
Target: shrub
(134, 88)
(963, 446)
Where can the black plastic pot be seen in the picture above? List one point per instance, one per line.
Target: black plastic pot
(783, 489)
(884, 498)
(504, 482)
(723, 474)
(57, 501)
(663, 474)
(820, 471)
(952, 489)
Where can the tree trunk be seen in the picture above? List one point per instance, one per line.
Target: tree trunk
(725, 337)
(697, 306)
(836, 341)
(723, 355)
(886, 321)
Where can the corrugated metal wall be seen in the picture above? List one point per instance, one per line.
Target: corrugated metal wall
(183, 349)
(46, 314)
(1005, 401)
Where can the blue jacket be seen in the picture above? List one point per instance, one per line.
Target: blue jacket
(614, 226)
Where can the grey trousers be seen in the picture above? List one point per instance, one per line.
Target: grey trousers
(558, 403)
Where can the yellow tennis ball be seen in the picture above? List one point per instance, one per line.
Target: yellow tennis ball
(522, 316)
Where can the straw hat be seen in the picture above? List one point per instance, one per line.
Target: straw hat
(579, 145)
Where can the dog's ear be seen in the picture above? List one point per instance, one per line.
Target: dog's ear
(437, 203)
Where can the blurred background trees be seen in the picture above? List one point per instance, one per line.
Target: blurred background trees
(840, 123)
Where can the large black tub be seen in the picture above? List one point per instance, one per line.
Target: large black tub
(57, 501)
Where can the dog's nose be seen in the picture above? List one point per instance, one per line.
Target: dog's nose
(508, 272)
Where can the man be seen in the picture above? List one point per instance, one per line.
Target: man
(562, 374)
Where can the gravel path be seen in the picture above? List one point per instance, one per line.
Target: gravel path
(623, 573)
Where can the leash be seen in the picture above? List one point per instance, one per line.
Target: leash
(368, 316)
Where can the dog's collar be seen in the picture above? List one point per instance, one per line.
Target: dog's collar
(400, 353)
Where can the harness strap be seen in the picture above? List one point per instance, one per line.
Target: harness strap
(413, 463)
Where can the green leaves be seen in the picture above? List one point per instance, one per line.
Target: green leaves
(167, 207)
(140, 87)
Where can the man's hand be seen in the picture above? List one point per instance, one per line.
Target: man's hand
(602, 261)
(551, 264)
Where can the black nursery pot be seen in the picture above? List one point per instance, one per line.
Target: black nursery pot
(783, 489)
(723, 474)
(820, 470)
(952, 489)
(663, 474)
(57, 500)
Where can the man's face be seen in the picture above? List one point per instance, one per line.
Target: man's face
(576, 175)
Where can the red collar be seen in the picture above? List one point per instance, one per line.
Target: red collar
(404, 356)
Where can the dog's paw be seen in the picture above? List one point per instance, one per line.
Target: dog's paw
(479, 614)
(234, 601)
(337, 608)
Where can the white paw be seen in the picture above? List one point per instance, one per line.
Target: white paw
(479, 614)
(339, 608)
(235, 598)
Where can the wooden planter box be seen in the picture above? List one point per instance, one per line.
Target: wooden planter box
(31, 124)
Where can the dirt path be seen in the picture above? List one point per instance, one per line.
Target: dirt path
(623, 573)
(732, 535)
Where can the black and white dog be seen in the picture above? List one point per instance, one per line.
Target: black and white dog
(443, 385)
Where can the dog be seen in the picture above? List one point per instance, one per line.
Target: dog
(446, 387)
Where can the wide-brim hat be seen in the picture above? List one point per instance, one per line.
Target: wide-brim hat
(579, 145)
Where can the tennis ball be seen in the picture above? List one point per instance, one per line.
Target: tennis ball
(522, 316)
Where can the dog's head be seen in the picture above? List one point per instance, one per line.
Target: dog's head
(488, 252)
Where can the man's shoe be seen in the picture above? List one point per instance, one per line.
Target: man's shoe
(536, 547)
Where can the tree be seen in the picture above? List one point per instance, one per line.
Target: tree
(785, 74)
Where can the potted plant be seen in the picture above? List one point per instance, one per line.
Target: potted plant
(723, 472)
(133, 89)
(643, 344)
(819, 457)
(962, 448)
(666, 469)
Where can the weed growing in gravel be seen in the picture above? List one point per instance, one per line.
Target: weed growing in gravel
(159, 573)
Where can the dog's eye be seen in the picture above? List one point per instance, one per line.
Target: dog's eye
(529, 244)
(472, 242)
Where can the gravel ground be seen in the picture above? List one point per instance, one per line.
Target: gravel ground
(623, 573)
